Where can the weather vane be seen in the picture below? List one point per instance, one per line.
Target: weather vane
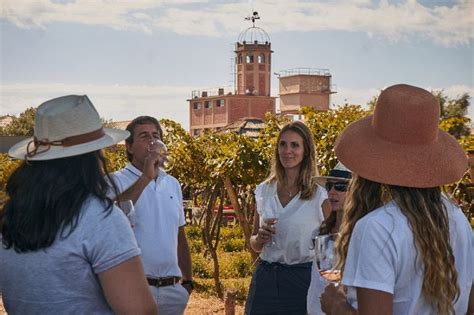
(253, 17)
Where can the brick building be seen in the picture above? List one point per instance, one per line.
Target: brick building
(251, 94)
(304, 87)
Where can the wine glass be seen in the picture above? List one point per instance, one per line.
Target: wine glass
(326, 258)
(129, 210)
(159, 146)
(269, 216)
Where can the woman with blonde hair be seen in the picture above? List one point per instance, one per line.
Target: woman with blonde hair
(404, 247)
(288, 213)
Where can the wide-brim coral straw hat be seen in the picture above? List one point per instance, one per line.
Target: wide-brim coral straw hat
(401, 143)
(66, 126)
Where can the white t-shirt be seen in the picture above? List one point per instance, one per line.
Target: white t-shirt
(159, 214)
(382, 255)
(297, 223)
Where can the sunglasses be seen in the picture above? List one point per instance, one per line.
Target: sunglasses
(341, 187)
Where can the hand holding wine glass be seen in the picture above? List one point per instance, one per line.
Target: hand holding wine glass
(129, 210)
(326, 258)
(159, 147)
(270, 218)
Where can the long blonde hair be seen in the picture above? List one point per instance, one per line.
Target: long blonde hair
(428, 219)
(308, 170)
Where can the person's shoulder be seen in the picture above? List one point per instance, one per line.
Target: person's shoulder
(320, 191)
(119, 175)
(169, 179)
(455, 212)
(384, 212)
(94, 210)
(265, 187)
(384, 217)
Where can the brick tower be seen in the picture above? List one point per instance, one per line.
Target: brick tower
(250, 97)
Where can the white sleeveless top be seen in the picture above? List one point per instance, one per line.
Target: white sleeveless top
(297, 224)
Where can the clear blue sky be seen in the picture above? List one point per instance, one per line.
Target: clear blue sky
(146, 56)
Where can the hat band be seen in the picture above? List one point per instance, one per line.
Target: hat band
(339, 173)
(66, 142)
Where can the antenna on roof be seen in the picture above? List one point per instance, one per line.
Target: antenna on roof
(253, 17)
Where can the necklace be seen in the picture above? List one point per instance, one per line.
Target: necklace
(290, 194)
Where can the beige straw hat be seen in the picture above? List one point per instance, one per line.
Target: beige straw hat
(66, 126)
(401, 143)
(339, 173)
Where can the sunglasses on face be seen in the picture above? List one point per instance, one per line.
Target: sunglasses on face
(341, 187)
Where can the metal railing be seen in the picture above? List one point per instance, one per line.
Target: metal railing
(310, 71)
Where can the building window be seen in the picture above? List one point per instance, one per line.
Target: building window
(249, 59)
(196, 132)
(197, 105)
(220, 103)
(207, 104)
(239, 60)
(261, 58)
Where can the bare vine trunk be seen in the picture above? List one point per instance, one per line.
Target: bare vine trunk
(246, 226)
(209, 235)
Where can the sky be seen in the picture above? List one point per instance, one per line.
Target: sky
(145, 57)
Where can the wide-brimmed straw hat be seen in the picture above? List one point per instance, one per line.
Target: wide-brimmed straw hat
(339, 173)
(401, 143)
(66, 126)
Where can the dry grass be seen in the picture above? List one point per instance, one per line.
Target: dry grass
(199, 304)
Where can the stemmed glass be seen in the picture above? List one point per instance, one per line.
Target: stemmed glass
(269, 216)
(326, 258)
(158, 146)
(129, 210)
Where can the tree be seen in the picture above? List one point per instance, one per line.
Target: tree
(453, 113)
(454, 117)
(326, 127)
(23, 125)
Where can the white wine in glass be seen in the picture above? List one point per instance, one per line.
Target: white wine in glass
(326, 258)
(270, 217)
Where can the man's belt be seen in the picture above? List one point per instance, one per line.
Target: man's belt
(163, 282)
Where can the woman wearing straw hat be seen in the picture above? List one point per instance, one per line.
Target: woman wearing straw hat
(66, 248)
(404, 247)
(288, 212)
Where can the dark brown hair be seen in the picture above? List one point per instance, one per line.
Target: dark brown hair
(141, 120)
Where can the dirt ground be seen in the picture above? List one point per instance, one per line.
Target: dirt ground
(198, 305)
(203, 305)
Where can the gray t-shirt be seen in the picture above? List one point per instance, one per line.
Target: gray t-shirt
(62, 279)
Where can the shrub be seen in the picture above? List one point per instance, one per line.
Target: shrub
(233, 244)
(231, 232)
(196, 246)
(202, 267)
(193, 232)
(235, 265)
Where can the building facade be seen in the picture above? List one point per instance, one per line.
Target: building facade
(304, 87)
(250, 96)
